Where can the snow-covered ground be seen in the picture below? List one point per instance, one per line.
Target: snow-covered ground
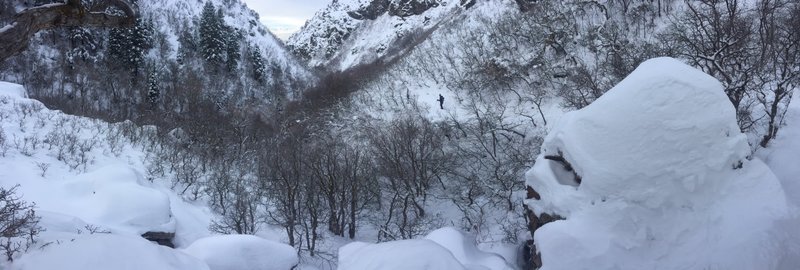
(88, 183)
(783, 157)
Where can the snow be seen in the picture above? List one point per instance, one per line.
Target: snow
(94, 198)
(782, 157)
(358, 42)
(106, 251)
(12, 90)
(7, 27)
(418, 254)
(666, 183)
(243, 252)
(465, 251)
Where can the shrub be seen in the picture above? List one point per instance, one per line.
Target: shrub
(18, 223)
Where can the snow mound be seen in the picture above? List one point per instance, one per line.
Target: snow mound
(243, 252)
(465, 251)
(417, 254)
(114, 197)
(661, 180)
(12, 90)
(107, 251)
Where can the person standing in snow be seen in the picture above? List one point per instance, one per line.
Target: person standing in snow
(441, 101)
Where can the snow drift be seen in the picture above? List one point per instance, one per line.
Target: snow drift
(419, 254)
(107, 251)
(443, 249)
(243, 252)
(660, 180)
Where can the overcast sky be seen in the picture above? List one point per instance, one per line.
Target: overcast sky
(284, 17)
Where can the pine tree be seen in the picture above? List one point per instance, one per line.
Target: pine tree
(233, 53)
(259, 68)
(153, 91)
(127, 46)
(83, 46)
(212, 37)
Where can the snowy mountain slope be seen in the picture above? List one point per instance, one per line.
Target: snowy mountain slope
(95, 196)
(655, 175)
(170, 15)
(170, 48)
(348, 33)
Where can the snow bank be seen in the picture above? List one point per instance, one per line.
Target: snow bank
(418, 254)
(82, 184)
(243, 252)
(107, 251)
(13, 90)
(114, 197)
(465, 251)
(782, 157)
(664, 182)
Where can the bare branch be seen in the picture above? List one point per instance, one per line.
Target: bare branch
(15, 37)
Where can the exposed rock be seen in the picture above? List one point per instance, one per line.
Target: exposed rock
(405, 8)
(161, 238)
(372, 11)
(467, 3)
(525, 5)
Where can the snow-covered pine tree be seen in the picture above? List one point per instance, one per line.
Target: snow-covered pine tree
(127, 46)
(212, 38)
(232, 41)
(153, 91)
(259, 68)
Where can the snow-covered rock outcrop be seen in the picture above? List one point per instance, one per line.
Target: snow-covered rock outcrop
(655, 175)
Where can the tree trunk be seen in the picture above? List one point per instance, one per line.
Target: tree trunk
(15, 37)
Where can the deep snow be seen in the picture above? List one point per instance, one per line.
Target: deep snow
(666, 183)
(90, 190)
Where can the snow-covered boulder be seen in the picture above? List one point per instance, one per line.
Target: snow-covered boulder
(106, 251)
(465, 251)
(417, 254)
(655, 175)
(243, 252)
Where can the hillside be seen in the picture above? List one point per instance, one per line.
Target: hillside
(179, 52)
(408, 134)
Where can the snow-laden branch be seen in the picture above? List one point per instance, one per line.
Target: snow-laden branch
(15, 37)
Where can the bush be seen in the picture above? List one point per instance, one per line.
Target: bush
(18, 223)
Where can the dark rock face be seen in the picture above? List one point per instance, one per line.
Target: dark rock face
(398, 8)
(405, 8)
(525, 5)
(372, 11)
(531, 257)
(467, 3)
(161, 238)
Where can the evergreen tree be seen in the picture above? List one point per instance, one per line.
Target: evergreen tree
(232, 40)
(212, 37)
(153, 91)
(259, 69)
(83, 46)
(127, 46)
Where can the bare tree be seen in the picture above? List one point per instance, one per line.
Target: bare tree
(408, 155)
(716, 36)
(14, 37)
(779, 57)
